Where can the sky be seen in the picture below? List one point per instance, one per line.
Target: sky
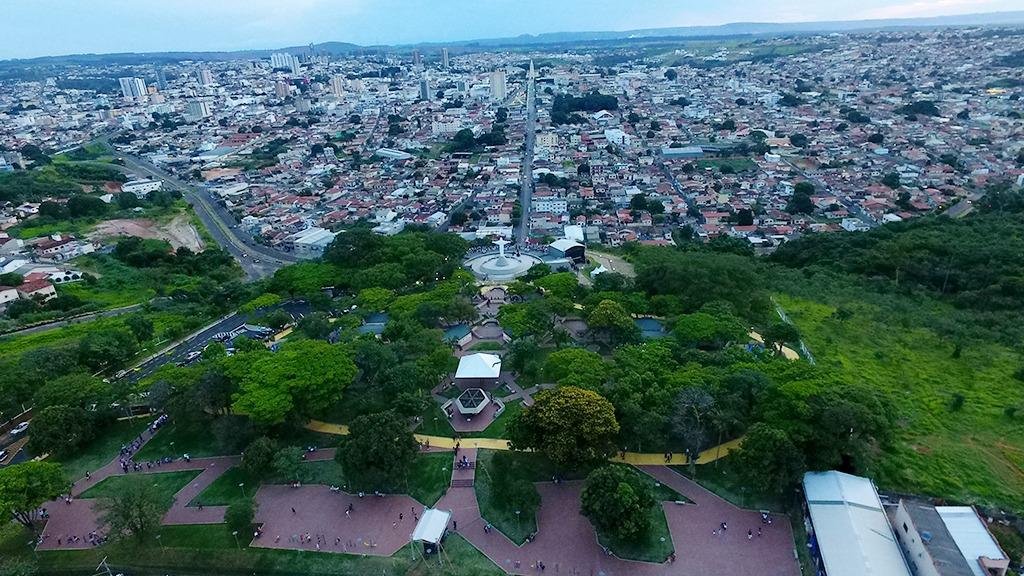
(30, 28)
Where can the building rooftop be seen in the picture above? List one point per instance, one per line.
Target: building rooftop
(851, 528)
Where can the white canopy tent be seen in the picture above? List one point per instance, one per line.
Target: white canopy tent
(431, 528)
(478, 367)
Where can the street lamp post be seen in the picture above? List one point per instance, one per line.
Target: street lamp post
(242, 486)
(518, 521)
(235, 534)
(161, 543)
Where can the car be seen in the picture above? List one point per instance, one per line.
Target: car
(256, 260)
(19, 429)
(3, 455)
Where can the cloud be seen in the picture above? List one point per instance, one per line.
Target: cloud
(924, 8)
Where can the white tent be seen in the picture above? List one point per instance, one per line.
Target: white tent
(478, 366)
(430, 529)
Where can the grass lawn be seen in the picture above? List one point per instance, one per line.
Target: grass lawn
(166, 483)
(428, 480)
(973, 454)
(173, 440)
(103, 449)
(435, 423)
(737, 164)
(430, 476)
(224, 490)
(211, 549)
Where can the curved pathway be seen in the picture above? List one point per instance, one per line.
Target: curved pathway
(633, 458)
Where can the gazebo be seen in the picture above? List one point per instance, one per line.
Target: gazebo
(478, 371)
(472, 402)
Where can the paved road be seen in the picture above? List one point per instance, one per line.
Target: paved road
(201, 339)
(75, 320)
(526, 185)
(218, 222)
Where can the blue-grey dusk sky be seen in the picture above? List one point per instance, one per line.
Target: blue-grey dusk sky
(31, 28)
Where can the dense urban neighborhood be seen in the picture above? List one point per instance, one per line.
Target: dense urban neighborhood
(651, 303)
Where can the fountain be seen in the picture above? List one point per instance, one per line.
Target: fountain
(503, 266)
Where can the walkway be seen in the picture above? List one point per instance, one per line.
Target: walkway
(566, 542)
(634, 458)
(81, 517)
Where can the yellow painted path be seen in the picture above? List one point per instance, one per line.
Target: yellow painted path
(634, 458)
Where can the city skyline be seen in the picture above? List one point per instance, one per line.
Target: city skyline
(110, 26)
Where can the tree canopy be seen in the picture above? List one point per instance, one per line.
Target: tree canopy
(570, 425)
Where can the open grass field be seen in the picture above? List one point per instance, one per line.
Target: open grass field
(211, 549)
(737, 164)
(167, 484)
(974, 453)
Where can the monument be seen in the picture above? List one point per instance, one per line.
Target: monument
(502, 266)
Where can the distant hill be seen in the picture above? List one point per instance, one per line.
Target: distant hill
(1014, 18)
(752, 28)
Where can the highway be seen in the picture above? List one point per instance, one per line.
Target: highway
(218, 222)
(526, 179)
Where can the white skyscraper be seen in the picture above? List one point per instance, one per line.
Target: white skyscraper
(285, 60)
(444, 58)
(280, 90)
(425, 88)
(134, 89)
(338, 86)
(199, 109)
(498, 91)
(205, 77)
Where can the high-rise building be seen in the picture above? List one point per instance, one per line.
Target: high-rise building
(133, 89)
(338, 86)
(286, 61)
(498, 90)
(302, 105)
(161, 79)
(205, 77)
(444, 58)
(417, 58)
(425, 88)
(280, 90)
(199, 109)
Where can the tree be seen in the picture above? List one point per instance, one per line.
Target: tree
(60, 430)
(111, 347)
(561, 285)
(576, 367)
(23, 487)
(709, 331)
(140, 327)
(11, 279)
(277, 319)
(378, 452)
(569, 425)
(692, 414)
(240, 514)
(745, 217)
(258, 457)
(779, 333)
(81, 206)
(287, 463)
(78, 389)
(671, 74)
(892, 180)
(302, 379)
(315, 326)
(135, 510)
(876, 138)
(612, 320)
(768, 460)
(617, 500)
(798, 140)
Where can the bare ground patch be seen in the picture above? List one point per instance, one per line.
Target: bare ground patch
(179, 231)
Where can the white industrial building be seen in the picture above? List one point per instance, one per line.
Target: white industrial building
(311, 242)
(141, 187)
(850, 533)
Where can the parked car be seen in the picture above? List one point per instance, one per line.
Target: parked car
(3, 455)
(19, 429)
